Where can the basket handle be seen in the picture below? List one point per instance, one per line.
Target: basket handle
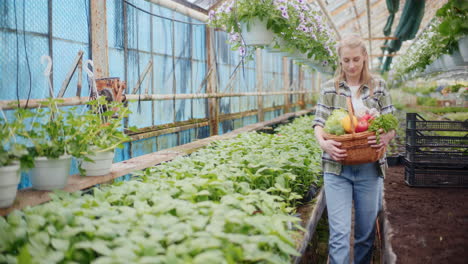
(349, 103)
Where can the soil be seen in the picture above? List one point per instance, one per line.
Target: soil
(430, 225)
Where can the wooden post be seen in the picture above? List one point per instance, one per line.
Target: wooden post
(287, 102)
(99, 38)
(259, 68)
(211, 87)
(302, 103)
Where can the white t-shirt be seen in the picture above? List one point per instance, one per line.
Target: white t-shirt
(358, 105)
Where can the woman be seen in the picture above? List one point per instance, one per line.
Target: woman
(361, 184)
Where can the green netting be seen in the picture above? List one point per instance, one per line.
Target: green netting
(407, 28)
(386, 65)
(410, 20)
(392, 6)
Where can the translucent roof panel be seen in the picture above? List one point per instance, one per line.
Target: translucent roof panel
(205, 4)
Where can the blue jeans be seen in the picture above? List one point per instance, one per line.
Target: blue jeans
(363, 185)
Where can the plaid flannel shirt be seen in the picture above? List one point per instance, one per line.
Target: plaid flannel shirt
(329, 100)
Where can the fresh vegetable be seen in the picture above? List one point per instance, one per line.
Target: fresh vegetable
(346, 123)
(333, 124)
(367, 117)
(383, 123)
(362, 125)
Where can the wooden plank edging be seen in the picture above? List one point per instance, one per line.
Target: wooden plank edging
(311, 224)
(31, 197)
(387, 256)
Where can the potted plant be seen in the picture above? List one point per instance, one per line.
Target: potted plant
(248, 18)
(102, 133)
(296, 27)
(13, 157)
(55, 138)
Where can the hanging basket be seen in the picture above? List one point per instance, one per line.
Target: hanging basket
(463, 47)
(49, 174)
(255, 33)
(101, 165)
(356, 145)
(9, 179)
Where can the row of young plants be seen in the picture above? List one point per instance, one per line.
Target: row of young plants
(447, 34)
(295, 28)
(45, 139)
(231, 202)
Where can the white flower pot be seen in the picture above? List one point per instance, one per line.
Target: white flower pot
(463, 47)
(9, 179)
(255, 33)
(50, 174)
(453, 60)
(439, 64)
(101, 165)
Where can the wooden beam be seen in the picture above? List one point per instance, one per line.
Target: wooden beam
(76, 63)
(286, 84)
(141, 78)
(99, 39)
(30, 197)
(259, 76)
(341, 8)
(369, 29)
(301, 102)
(211, 87)
(77, 100)
(357, 16)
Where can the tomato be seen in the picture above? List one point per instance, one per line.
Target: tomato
(362, 125)
(367, 117)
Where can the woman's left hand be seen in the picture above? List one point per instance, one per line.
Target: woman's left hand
(385, 138)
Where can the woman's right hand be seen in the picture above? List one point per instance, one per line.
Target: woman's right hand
(332, 148)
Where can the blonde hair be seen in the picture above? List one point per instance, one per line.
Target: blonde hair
(353, 41)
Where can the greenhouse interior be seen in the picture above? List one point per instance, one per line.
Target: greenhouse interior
(234, 131)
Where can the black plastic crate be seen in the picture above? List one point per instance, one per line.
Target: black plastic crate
(436, 157)
(416, 122)
(418, 140)
(418, 177)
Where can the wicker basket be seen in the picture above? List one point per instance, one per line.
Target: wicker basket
(356, 145)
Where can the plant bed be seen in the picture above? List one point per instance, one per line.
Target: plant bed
(429, 225)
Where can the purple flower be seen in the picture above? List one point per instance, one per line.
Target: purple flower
(233, 36)
(302, 28)
(324, 63)
(285, 14)
(282, 8)
(300, 1)
(242, 51)
(212, 14)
